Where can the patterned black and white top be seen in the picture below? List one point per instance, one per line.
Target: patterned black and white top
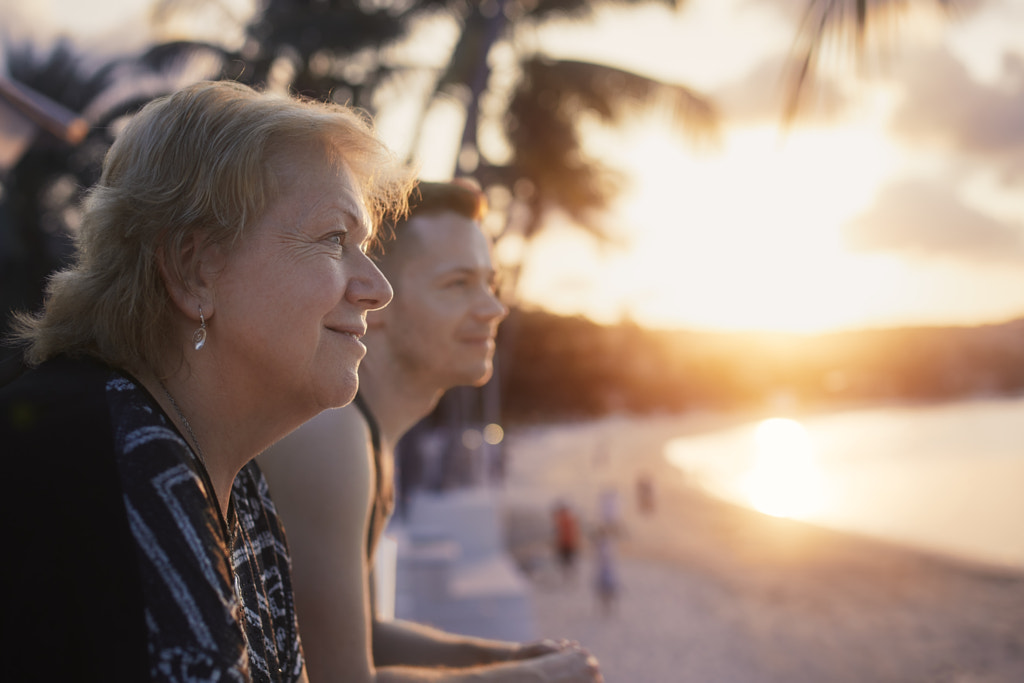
(216, 594)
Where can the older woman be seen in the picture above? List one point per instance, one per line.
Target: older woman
(217, 302)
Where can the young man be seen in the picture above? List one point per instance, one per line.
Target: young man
(437, 333)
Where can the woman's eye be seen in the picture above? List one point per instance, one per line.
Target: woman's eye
(337, 238)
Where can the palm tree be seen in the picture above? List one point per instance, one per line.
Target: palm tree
(548, 168)
(41, 193)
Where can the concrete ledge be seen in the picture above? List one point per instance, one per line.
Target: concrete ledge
(453, 572)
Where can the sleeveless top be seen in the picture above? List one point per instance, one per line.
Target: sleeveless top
(384, 488)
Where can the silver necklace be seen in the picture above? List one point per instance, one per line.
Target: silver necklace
(184, 421)
(229, 534)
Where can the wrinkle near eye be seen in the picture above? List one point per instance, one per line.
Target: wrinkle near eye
(301, 245)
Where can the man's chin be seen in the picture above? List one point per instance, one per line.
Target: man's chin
(482, 377)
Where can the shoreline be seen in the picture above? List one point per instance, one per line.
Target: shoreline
(713, 591)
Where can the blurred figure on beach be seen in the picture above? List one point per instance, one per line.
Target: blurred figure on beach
(606, 575)
(334, 480)
(566, 538)
(645, 493)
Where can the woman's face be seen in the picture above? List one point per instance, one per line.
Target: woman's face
(291, 301)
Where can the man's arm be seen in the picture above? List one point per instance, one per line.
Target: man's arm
(320, 481)
(569, 666)
(319, 478)
(406, 643)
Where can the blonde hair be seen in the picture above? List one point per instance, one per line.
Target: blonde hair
(200, 161)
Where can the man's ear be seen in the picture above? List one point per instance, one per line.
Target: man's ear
(189, 275)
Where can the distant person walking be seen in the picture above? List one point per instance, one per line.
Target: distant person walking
(606, 575)
(645, 494)
(567, 538)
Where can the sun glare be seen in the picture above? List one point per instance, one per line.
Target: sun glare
(784, 480)
(746, 235)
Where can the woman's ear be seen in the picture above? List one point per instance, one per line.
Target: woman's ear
(189, 275)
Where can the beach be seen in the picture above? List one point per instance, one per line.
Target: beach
(711, 591)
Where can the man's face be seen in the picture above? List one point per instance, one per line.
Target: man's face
(441, 324)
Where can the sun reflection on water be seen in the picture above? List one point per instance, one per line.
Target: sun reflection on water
(784, 480)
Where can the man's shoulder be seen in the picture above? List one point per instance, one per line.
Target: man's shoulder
(329, 451)
(319, 478)
(334, 428)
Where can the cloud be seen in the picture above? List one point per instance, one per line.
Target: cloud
(924, 219)
(943, 103)
(944, 106)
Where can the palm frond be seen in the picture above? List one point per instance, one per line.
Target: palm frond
(543, 130)
(580, 9)
(131, 82)
(614, 94)
(842, 20)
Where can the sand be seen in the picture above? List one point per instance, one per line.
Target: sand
(716, 592)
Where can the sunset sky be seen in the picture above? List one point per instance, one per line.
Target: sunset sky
(897, 198)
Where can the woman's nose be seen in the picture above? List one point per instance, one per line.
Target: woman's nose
(370, 288)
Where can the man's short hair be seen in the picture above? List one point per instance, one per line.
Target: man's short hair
(460, 196)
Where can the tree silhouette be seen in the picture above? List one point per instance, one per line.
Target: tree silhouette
(39, 205)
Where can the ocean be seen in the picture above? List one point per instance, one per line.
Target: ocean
(944, 477)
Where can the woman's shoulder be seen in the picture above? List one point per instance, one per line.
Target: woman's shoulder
(63, 502)
(57, 379)
(56, 409)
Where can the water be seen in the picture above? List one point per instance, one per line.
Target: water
(948, 478)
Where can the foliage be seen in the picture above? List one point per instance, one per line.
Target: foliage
(39, 204)
(845, 21)
(566, 367)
